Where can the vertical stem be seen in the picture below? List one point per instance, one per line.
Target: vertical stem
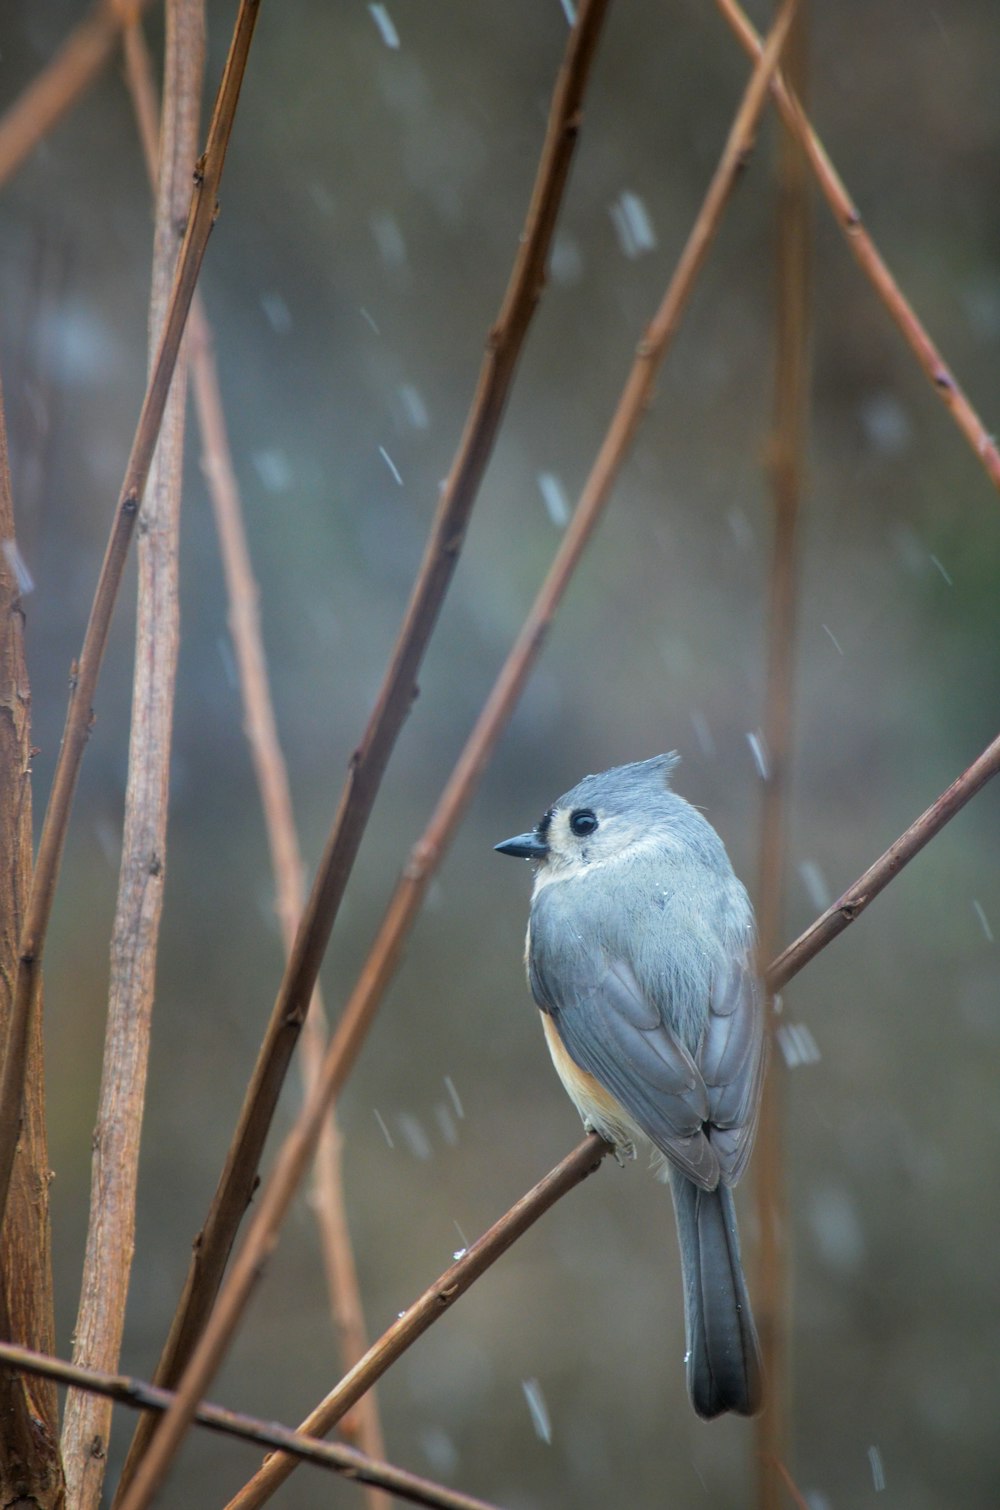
(363, 1424)
(86, 671)
(111, 1228)
(786, 468)
(29, 1416)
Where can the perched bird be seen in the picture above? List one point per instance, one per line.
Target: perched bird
(640, 954)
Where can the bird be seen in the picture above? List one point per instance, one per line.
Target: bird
(640, 954)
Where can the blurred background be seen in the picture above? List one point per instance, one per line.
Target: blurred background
(374, 193)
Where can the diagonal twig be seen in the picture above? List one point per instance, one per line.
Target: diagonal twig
(436, 1299)
(86, 671)
(369, 761)
(848, 217)
(139, 905)
(63, 80)
(300, 1142)
(355, 1465)
(876, 878)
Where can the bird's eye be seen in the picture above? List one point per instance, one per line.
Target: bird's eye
(583, 822)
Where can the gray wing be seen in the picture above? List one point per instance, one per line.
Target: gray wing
(699, 1111)
(613, 1032)
(732, 1058)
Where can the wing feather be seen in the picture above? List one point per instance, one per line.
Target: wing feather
(698, 1109)
(610, 1030)
(732, 1060)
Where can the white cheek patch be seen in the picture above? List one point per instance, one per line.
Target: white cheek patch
(557, 870)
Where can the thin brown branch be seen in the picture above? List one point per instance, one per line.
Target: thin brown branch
(262, 736)
(848, 217)
(64, 79)
(368, 763)
(414, 1321)
(141, 84)
(344, 1460)
(786, 1478)
(83, 684)
(297, 1149)
(135, 935)
(327, 1199)
(29, 1414)
(876, 878)
(244, 625)
(438, 1298)
(787, 468)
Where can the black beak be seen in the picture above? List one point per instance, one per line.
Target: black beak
(530, 846)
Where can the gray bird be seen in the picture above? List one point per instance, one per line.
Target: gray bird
(640, 954)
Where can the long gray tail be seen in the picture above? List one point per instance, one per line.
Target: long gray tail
(723, 1356)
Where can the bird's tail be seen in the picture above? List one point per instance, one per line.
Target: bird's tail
(723, 1356)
